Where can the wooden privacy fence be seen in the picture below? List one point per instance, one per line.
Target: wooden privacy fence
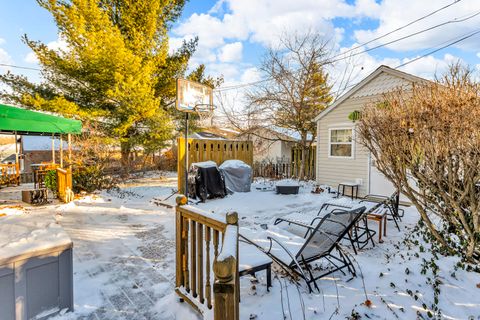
(311, 155)
(272, 170)
(199, 263)
(215, 150)
(9, 174)
(64, 184)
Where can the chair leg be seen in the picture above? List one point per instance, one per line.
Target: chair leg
(369, 234)
(312, 278)
(269, 277)
(351, 242)
(348, 263)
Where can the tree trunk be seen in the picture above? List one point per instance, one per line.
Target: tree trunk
(125, 152)
(301, 174)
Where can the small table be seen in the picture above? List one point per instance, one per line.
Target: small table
(381, 218)
(352, 185)
(253, 260)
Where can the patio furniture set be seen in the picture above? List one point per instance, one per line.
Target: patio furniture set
(299, 240)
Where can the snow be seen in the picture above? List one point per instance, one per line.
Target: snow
(205, 164)
(124, 261)
(21, 234)
(229, 246)
(234, 164)
(287, 183)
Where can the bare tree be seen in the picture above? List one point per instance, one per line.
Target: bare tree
(296, 91)
(432, 134)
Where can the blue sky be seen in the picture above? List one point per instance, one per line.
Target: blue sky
(235, 33)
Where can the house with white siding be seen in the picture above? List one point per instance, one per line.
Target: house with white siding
(339, 157)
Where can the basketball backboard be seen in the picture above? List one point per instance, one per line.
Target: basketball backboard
(193, 97)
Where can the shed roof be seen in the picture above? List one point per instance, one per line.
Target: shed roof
(365, 81)
(27, 122)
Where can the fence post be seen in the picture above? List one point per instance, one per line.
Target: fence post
(225, 267)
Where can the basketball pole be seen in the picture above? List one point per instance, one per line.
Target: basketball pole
(186, 155)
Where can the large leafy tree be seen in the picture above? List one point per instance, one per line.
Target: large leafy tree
(115, 68)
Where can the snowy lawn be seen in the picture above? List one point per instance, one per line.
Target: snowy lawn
(124, 255)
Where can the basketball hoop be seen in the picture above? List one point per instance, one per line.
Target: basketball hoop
(193, 97)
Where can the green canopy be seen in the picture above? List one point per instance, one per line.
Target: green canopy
(27, 122)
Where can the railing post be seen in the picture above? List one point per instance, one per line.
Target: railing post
(225, 268)
(180, 239)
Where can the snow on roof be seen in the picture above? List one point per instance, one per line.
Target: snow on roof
(289, 133)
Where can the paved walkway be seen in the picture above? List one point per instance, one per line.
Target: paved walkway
(123, 260)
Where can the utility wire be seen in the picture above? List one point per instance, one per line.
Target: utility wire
(370, 41)
(438, 49)
(456, 20)
(18, 67)
(399, 28)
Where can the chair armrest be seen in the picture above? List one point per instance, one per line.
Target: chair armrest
(298, 223)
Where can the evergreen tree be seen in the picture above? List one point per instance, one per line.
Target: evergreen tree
(115, 69)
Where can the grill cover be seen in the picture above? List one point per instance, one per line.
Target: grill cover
(237, 175)
(205, 181)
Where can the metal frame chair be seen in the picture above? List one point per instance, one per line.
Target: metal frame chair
(360, 238)
(320, 243)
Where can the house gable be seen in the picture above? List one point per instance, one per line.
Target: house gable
(382, 80)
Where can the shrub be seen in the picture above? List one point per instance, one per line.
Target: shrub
(91, 178)
(51, 180)
(431, 135)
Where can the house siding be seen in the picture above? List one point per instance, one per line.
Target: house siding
(332, 171)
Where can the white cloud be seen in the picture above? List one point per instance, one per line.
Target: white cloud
(5, 58)
(231, 52)
(391, 15)
(57, 45)
(261, 22)
(31, 58)
(251, 74)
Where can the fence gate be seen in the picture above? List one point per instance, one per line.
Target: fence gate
(215, 150)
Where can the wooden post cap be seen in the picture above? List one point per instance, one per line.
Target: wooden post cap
(232, 218)
(181, 200)
(224, 269)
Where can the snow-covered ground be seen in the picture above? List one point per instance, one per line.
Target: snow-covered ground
(124, 257)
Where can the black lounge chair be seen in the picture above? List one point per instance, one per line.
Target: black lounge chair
(295, 253)
(361, 234)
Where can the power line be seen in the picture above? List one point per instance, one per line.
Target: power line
(18, 67)
(370, 41)
(438, 49)
(456, 20)
(399, 28)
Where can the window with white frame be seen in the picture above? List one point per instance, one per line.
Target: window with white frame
(341, 143)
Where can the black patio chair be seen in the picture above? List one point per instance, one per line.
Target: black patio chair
(361, 234)
(296, 254)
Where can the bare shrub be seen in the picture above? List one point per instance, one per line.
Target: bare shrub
(431, 134)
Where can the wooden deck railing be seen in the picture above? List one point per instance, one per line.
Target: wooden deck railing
(199, 263)
(64, 184)
(9, 174)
